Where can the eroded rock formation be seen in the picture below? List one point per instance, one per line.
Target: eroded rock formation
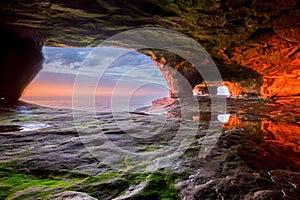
(255, 44)
(180, 75)
(276, 57)
(20, 60)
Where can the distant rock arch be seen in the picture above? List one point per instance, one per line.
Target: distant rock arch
(180, 75)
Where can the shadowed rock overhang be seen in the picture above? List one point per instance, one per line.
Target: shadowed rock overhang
(255, 43)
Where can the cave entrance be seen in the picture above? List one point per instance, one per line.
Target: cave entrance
(203, 90)
(132, 79)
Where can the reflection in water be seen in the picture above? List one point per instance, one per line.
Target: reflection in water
(32, 126)
(265, 141)
(275, 144)
(282, 133)
(223, 118)
(282, 142)
(232, 122)
(207, 117)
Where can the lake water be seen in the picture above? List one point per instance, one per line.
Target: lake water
(102, 103)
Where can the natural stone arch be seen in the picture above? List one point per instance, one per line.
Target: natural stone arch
(179, 74)
(267, 42)
(22, 60)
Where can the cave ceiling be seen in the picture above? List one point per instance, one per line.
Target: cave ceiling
(255, 43)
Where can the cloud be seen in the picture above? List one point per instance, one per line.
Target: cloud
(111, 64)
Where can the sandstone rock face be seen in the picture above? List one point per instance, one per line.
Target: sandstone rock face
(254, 43)
(281, 85)
(277, 59)
(180, 75)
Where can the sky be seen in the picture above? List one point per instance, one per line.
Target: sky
(110, 77)
(101, 71)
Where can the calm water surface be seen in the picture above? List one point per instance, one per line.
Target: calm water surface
(102, 104)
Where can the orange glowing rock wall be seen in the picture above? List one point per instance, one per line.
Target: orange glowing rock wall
(282, 85)
(283, 133)
(277, 58)
(285, 137)
(233, 121)
(234, 88)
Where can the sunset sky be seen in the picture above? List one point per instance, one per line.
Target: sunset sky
(63, 65)
(106, 74)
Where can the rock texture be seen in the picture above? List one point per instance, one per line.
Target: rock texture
(277, 59)
(181, 76)
(20, 60)
(256, 154)
(71, 195)
(254, 43)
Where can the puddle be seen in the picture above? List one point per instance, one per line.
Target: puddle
(31, 126)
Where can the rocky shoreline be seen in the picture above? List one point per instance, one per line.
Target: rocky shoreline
(44, 155)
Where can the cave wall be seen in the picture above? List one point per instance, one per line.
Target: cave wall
(255, 43)
(21, 58)
(181, 76)
(275, 54)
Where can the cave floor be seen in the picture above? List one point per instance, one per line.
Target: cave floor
(46, 154)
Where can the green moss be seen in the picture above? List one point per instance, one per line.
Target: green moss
(136, 178)
(13, 180)
(101, 178)
(31, 184)
(191, 152)
(160, 186)
(16, 119)
(232, 158)
(104, 189)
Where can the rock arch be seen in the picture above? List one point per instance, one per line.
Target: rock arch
(267, 42)
(181, 76)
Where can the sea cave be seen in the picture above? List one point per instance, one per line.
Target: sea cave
(227, 129)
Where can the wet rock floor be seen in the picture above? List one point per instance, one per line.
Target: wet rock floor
(249, 151)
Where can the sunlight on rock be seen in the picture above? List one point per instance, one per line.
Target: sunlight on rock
(204, 90)
(33, 126)
(231, 136)
(233, 122)
(223, 118)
